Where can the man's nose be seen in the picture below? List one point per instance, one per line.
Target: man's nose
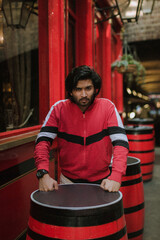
(83, 93)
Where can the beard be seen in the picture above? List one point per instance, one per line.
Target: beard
(83, 102)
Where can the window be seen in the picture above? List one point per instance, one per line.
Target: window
(70, 31)
(19, 88)
(71, 44)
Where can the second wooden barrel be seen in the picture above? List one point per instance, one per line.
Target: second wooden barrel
(141, 145)
(142, 122)
(133, 199)
(77, 212)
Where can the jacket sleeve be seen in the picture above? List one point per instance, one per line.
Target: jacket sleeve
(120, 145)
(44, 140)
(41, 155)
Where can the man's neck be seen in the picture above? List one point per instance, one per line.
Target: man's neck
(83, 109)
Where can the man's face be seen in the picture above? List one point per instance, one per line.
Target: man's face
(83, 93)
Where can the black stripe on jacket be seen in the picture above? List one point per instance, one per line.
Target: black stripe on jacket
(106, 132)
(120, 143)
(116, 129)
(89, 140)
(71, 138)
(47, 139)
(49, 129)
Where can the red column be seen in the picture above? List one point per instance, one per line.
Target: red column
(106, 46)
(84, 50)
(51, 54)
(119, 79)
(56, 50)
(43, 60)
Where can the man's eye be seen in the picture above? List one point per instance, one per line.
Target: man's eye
(89, 88)
(78, 89)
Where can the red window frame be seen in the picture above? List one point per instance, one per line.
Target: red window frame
(51, 60)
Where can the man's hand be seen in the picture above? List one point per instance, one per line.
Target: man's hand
(110, 185)
(46, 183)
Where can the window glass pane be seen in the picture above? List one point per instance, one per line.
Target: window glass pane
(72, 5)
(19, 98)
(71, 44)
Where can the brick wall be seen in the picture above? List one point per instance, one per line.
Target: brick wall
(147, 28)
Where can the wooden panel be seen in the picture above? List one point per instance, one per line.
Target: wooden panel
(15, 206)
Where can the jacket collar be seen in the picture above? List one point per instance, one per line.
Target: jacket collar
(88, 109)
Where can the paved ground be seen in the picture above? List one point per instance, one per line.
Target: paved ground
(152, 202)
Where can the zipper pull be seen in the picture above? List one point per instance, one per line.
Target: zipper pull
(83, 115)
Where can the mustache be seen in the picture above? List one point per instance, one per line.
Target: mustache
(84, 98)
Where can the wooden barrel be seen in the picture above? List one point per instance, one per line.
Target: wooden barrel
(142, 122)
(141, 145)
(76, 211)
(133, 199)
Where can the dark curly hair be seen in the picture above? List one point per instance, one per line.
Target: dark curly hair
(81, 73)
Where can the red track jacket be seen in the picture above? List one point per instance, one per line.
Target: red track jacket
(85, 140)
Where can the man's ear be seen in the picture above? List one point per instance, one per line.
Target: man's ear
(71, 93)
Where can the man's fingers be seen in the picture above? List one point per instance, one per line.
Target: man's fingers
(55, 185)
(104, 185)
(110, 185)
(48, 189)
(47, 184)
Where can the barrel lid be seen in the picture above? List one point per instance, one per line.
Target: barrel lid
(132, 161)
(133, 166)
(76, 197)
(140, 129)
(141, 120)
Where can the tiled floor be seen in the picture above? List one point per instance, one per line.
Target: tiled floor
(152, 202)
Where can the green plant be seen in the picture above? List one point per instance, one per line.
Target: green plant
(119, 63)
(126, 61)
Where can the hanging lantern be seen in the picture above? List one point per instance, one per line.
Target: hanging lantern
(147, 6)
(17, 12)
(129, 10)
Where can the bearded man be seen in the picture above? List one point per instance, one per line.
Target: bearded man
(90, 133)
